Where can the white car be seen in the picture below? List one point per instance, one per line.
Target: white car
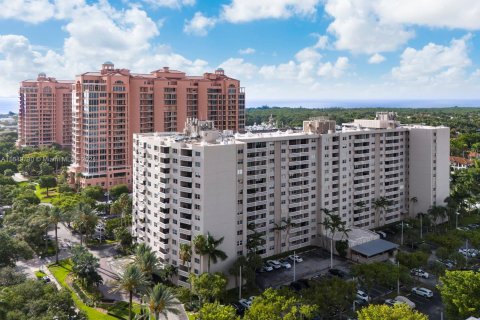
(420, 273)
(405, 300)
(274, 264)
(294, 257)
(424, 292)
(285, 264)
(362, 296)
(266, 268)
(245, 302)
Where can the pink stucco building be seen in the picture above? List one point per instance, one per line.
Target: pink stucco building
(111, 105)
(45, 112)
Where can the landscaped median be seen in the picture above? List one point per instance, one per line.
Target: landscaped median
(62, 271)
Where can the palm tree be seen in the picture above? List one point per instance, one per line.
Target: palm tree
(333, 223)
(254, 239)
(56, 216)
(85, 219)
(132, 279)
(380, 204)
(185, 254)
(207, 245)
(436, 212)
(161, 301)
(148, 263)
(413, 200)
(287, 225)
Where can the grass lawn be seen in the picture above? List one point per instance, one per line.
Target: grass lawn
(39, 274)
(41, 193)
(61, 272)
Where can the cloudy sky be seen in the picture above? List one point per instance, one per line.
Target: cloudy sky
(279, 49)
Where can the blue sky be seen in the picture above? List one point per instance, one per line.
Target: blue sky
(279, 49)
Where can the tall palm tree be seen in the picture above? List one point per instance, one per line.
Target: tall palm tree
(333, 223)
(185, 254)
(56, 216)
(254, 238)
(287, 224)
(84, 219)
(132, 279)
(208, 246)
(380, 204)
(161, 301)
(414, 201)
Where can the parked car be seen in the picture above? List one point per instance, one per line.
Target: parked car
(338, 273)
(402, 299)
(245, 302)
(382, 234)
(362, 296)
(239, 308)
(391, 302)
(266, 268)
(46, 279)
(424, 292)
(285, 264)
(274, 264)
(419, 273)
(294, 257)
(449, 264)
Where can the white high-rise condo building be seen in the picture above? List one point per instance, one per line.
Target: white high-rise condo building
(204, 181)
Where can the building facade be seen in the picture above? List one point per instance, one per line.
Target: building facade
(45, 112)
(281, 184)
(113, 104)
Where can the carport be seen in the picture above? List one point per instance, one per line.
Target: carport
(373, 251)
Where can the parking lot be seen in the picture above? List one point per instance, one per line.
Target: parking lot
(315, 261)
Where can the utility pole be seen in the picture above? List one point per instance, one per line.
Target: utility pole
(398, 278)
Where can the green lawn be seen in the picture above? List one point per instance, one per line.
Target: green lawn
(61, 272)
(39, 274)
(41, 193)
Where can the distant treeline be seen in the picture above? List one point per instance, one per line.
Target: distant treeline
(459, 119)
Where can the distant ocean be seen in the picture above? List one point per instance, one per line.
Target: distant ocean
(11, 104)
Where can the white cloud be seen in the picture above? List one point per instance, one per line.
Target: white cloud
(376, 58)
(335, 70)
(239, 69)
(174, 4)
(461, 14)
(32, 11)
(247, 51)
(322, 42)
(358, 29)
(434, 64)
(239, 11)
(199, 25)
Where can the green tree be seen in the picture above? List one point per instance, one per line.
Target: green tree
(147, 261)
(84, 266)
(436, 213)
(460, 291)
(412, 260)
(124, 238)
(208, 287)
(36, 300)
(332, 296)
(55, 216)
(380, 205)
(384, 312)
(216, 311)
(161, 301)
(45, 169)
(132, 279)
(84, 219)
(240, 264)
(8, 172)
(47, 182)
(118, 190)
(185, 254)
(273, 305)
(333, 222)
(93, 192)
(8, 165)
(12, 249)
(208, 246)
